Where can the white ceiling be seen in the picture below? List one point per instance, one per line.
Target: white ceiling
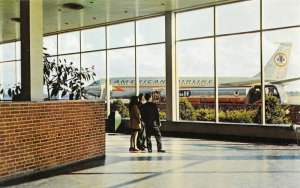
(95, 12)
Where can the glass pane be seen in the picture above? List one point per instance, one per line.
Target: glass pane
(280, 13)
(197, 23)
(151, 59)
(18, 50)
(50, 43)
(282, 76)
(7, 52)
(68, 59)
(96, 87)
(8, 74)
(93, 39)
(122, 75)
(196, 80)
(7, 78)
(18, 72)
(238, 69)
(45, 90)
(152, 74)
(68, 42)
(74, 59)
(120, 35)
(150, 30)
(238, 17)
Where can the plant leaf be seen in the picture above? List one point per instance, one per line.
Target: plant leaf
(63, 93)
(9, 92)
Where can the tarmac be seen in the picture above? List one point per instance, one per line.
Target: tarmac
(186, 163)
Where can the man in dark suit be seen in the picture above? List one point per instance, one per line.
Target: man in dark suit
(150, 117)
(141, 140)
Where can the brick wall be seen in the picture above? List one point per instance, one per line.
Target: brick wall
(36, 136)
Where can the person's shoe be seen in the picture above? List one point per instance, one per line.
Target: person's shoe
(149, 150)
(135, 150)
(161, 151)
(130, 149)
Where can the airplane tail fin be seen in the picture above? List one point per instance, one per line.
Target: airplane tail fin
(277, 66)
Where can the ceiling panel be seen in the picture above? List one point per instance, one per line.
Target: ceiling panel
(95, 12)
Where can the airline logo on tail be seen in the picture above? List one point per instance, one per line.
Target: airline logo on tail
(281, 59)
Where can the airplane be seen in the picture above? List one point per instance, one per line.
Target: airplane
(201, 89)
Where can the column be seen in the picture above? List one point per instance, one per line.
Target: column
(31, 14)
(171, 78)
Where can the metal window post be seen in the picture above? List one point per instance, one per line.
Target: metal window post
(171, 68)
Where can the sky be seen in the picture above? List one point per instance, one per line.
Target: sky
(237, 56)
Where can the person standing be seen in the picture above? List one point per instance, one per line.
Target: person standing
(141, 140)
(134, 122)
(150, 117)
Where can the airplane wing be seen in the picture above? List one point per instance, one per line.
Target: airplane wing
(284, 81)
(254, 81)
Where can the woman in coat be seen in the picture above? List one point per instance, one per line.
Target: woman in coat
(135, 122)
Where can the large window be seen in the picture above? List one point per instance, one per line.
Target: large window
(238, 70)
(95, 61)
(121, 65)
(281, 54)
(124, 59)
(239, 54)
(220, 44)
(9, 68)
(152, 74)
(196, 79)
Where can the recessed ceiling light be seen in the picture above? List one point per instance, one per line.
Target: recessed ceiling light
(73, 6)
(15, 19)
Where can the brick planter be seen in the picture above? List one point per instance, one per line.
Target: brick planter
(36, 136)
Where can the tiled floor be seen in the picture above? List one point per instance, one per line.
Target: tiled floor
(187, 163)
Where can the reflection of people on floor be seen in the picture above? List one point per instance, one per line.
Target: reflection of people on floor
(150, 117)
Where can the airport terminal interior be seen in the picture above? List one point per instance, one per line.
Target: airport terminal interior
(224, 75)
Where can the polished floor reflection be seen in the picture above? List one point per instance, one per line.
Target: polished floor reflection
(187, 163)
